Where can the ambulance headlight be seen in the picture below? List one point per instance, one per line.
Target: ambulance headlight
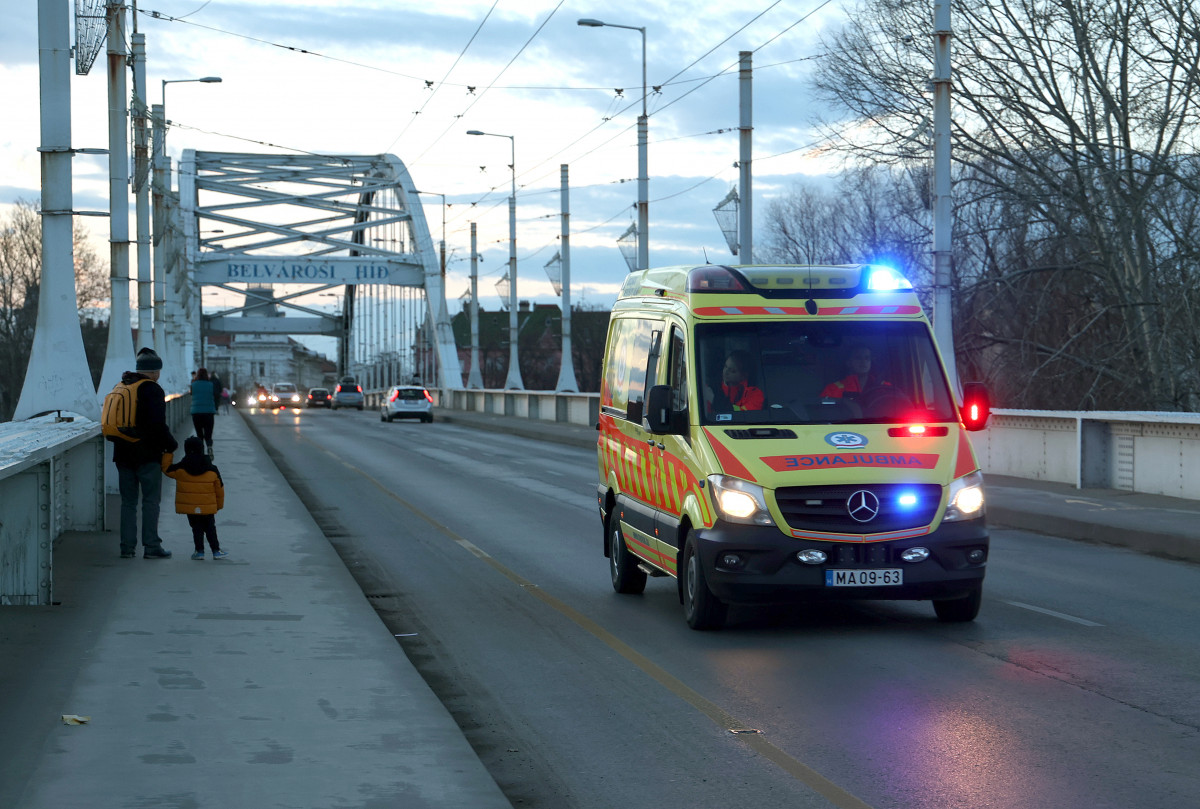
(740, 501)
(966, 498)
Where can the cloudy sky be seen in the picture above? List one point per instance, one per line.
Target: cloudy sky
(410, 78)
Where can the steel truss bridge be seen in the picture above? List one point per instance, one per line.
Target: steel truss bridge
(323, 222)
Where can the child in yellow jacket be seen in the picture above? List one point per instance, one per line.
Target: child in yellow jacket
(199, 493)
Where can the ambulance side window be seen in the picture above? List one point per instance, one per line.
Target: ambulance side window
(631, 366)
(677, 376)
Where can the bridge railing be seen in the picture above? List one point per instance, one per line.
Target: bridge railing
(1149, 452)
(567, 408)
(1152, 452)
(52, 479)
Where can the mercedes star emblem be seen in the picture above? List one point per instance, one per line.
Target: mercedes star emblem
(863, 506)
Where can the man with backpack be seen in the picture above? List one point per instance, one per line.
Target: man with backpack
(137, 456)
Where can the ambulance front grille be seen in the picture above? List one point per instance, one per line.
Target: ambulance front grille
(827, 508)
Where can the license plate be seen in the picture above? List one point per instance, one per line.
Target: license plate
(864, 578)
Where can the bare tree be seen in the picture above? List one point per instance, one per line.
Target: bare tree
(20, 282)
(866, 214)
(1082, 117)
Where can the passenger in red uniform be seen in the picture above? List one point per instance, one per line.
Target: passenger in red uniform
(860, 379)
(736, 391)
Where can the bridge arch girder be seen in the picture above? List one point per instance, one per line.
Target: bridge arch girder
(319, 220)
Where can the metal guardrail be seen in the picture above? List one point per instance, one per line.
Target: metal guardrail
(1148, 452)
(565, 408)
(51, 480)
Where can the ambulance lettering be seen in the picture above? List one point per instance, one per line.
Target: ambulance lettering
(800, 463)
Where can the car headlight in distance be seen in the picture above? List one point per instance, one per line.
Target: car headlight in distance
(966, 498)
(740, 501)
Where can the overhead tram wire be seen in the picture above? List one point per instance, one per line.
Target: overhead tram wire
(163, 17)
(723, 41)
(493, 85)
(445, 76)
(705, 81)
(176, 125)
(157, 15)
(454, 122)
(734, 65)
(169, 18)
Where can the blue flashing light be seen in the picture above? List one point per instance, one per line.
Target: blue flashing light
(907, 500)
(886, 279)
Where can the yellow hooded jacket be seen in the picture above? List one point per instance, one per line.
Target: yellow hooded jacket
(198, 485)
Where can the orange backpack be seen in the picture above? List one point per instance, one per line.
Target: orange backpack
(118, 417)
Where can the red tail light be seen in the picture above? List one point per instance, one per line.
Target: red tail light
(918, 431)
(427, 396)
(977, 406)
(359, 388)
(395, 395)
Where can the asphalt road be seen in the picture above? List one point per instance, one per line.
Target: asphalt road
(1076, 687)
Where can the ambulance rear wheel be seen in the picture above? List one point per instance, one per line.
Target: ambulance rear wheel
(959, 610)
(701, 608)
(627, 577)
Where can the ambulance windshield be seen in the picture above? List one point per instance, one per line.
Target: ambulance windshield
(813, 372)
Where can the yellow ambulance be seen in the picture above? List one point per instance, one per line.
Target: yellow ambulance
(771, 434)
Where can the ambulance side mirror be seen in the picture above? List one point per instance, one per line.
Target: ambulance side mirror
(658, 409)
(977, 406)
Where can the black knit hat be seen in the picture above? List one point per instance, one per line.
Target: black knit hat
(147, 360)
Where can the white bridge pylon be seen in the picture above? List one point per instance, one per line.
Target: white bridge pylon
(320, 220)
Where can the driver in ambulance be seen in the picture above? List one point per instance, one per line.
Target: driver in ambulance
(736, 391)
(859, 381)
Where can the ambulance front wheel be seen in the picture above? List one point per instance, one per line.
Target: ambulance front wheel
(959, 610)
(701, 608)
(627, 577)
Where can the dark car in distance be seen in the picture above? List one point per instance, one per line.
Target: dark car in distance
(319, 397)
(348, 394)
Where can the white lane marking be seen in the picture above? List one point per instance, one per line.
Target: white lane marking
(1062, 615)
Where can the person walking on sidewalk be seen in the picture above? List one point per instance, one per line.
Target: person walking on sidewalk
(204, 408)
(138, 461)
(216, 386)
(199, 493)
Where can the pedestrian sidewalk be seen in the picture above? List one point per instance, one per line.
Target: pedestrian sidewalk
(260, 680)
(1167, 526)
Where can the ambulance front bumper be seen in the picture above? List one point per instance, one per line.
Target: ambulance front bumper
(758, 565)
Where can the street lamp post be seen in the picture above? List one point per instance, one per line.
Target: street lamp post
(161, 167)
(442, 245)
(205, 80)
(513, 381)
(643, 206)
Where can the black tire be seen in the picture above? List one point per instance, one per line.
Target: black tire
(382, 417)
(627, 577)
(428, 419)
(360, 407)
(959, 610)
(701, 608)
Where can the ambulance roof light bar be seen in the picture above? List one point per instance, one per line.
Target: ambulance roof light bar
(886, 279)
(784, 281)
(715, 278)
